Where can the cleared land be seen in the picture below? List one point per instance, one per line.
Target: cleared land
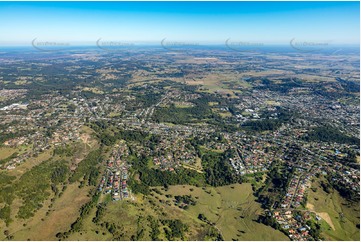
(232, 208)
(64, 211)
(29, 184)
(339, 217)
(132, 221)
(5, 152)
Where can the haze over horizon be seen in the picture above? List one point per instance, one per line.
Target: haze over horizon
(150, 22)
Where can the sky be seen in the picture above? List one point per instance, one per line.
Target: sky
(203, 22)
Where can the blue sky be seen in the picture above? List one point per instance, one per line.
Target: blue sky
(213, 22)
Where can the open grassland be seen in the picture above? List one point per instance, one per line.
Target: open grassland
(222, 113)
(22, 82)
(30, 163)
(231, 208)
(339, 217)
(217, 83)
(37, 198)
(93, 90)
(273, 103)
(183, 104)
(137, 220)
(122, 214)
(196, 165)
(268, 72)
(90, 230)
(5, 152)
(114, 114)
(44, 225)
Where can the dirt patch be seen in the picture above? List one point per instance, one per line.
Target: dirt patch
(310, 206)
(327, 218)
(192, 168)
(85, 138)
(323, 215)
(74, 165)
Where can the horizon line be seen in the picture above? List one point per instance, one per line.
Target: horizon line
(178, 44)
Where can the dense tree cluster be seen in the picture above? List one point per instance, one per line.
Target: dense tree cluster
(349, 86)
(88, 168)
(275, 185)
(154, 226)
(5, 214)
(155, 177)
(284, 86)
(315, 230)
(185, 200)
(330, 134)
(266, 123)
(218, 170)
(175, 229)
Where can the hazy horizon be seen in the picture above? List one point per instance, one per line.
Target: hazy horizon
(201, 22)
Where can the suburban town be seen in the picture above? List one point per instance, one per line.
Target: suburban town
(255, 127)
(180, 121)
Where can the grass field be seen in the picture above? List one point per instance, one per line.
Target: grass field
(222, 113)
(196, 165)
(131, 219)
(52, 212)
(343, 215)
(183, 104)
(63, 212)
(114, 114)
(232, 208)
(93, 90)
(5, 152)
(217, 83)
(272, 103)
(212, 103)
(30, 163)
